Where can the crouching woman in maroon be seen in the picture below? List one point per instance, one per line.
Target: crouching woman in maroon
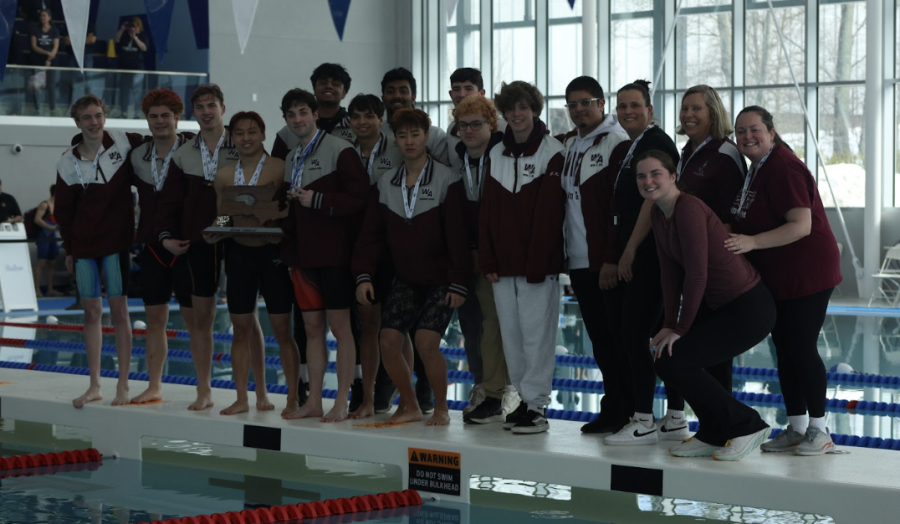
(739, 313)
(416, 213)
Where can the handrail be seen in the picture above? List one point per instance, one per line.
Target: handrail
(98, 70)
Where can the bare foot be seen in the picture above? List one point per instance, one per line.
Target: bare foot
(293, 404)
(263, 404)
(121, 395)
(440, 418)
(91, 395)
(406, 414)
(310, 409)
(240, 406)
(152, 394)
(204, 401)
(337, 413)
(365, 410)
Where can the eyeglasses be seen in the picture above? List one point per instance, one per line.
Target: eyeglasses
(466, 125)
(583, 103)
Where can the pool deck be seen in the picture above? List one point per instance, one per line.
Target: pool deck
(862, 486)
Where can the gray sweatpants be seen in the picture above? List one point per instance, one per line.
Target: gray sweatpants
(529, 320)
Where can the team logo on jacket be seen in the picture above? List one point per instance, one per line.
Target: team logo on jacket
(385, 162)
(699, 172)
(346, 134)
(596, 159)
(315, 163)
(426, 193)
(115, 156)
(233, 154)
(529, 170)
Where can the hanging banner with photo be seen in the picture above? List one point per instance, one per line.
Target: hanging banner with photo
(339, 10)
(7, 21)
(200, 21)
(77, 13)
(451, 7)
(159, 17)
(244, 12)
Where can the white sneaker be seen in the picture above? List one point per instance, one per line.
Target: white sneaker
(635, 433)
(511, 400)
(476, 396)
(673, 429)
(739, 447)
(693, 448)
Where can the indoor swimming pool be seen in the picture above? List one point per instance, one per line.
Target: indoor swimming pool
(185, 477)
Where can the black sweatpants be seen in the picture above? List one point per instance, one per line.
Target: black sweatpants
(601, 312)
(727, 332)
(800, 368)
(641, 312)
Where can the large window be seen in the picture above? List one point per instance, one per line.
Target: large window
(750, 53)
(514, 41)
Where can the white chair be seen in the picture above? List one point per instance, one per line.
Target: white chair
(888, 288)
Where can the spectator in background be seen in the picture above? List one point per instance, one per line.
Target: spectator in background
(47, 247)
(44, 48)
(9, 208)
(130, 48)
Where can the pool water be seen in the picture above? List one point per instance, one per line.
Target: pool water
(180, 478)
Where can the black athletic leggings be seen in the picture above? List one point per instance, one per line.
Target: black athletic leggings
(722, 371)
(800, 368)
(601, 312)
(725, 333)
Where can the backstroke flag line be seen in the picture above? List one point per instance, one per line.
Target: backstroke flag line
(244, 12)
(159, 14)
(77, 13)
(7, 19)
(339, 10)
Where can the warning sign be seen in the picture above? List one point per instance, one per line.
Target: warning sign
(434, 471)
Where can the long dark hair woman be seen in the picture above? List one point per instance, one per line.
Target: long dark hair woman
(780, 224)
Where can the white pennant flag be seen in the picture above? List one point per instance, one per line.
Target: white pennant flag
(451, 7)
(76, 13)
(244, 11)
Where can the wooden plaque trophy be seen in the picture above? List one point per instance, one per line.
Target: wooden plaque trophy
(245, 202)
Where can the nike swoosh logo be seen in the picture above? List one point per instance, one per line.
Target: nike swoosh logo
(639, 435)
(664, 430)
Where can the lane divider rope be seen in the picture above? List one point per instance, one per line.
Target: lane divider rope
(50, 463)
(576, 361)
(367, 507)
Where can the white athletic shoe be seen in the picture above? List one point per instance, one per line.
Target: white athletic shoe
(739, 447)
(635, 433)
(476, 396)
(693, 448)
(673, 429)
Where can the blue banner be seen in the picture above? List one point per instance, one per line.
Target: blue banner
(7, 20)
(200, 20)
(572, 4)
(339, 9)
(159, 17)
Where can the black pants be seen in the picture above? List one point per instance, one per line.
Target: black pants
(722, 371)
(641, 312)
(800, 368)
(727, 332)
(601, 312)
